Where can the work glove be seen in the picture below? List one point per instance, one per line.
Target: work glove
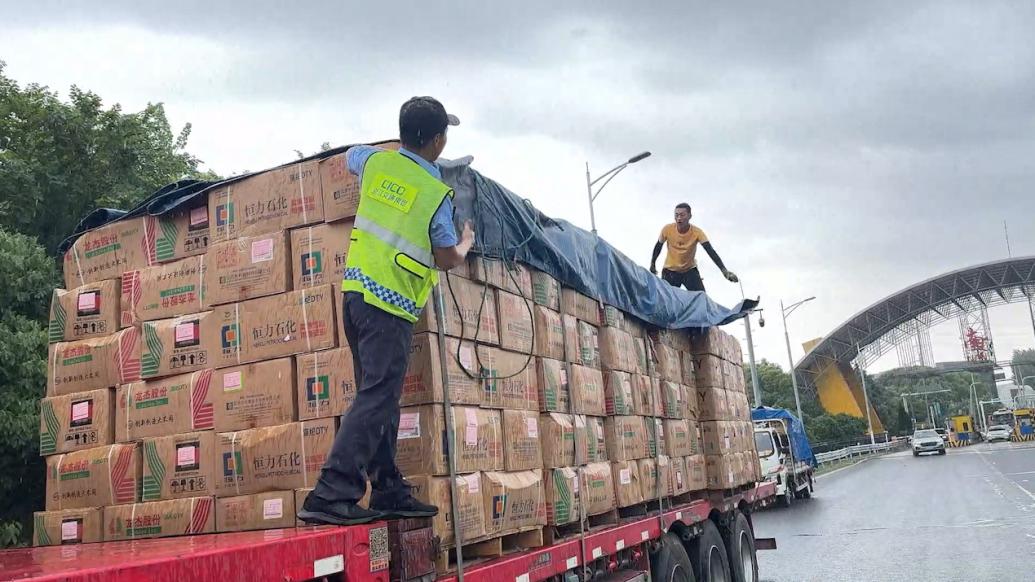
(653, 270)
(731, 276)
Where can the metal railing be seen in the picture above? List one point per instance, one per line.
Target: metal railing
(858, 451)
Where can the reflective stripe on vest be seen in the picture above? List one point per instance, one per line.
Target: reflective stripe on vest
(395, 240)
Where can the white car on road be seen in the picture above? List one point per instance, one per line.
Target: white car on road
(998, 432)
(927, 441)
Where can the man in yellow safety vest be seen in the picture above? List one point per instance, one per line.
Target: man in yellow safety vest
(403, 230)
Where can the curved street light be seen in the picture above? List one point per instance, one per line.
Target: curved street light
(785, 312)
(610, 174)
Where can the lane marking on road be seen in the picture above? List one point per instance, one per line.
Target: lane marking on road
(835, 471)
(992, 466)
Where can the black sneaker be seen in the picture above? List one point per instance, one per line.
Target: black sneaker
(316, 512)
(403, 507)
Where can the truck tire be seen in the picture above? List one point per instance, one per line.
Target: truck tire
(670, 563)
(740, 544)
(708, 555)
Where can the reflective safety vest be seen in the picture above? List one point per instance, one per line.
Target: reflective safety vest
(390, 260)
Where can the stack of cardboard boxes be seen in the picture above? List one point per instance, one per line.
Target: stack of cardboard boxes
(198, 367)
(195, 374)
(727, 433)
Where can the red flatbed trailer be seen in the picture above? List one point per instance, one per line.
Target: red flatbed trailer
(356, 553)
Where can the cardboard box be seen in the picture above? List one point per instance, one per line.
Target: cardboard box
(436, 491)
(686, 365)
(695, 469)
(179, 466)
(694, 434)
(655, 436)
(94, 477)
(596, 440)
(69, 526)
(107, 251)
(183, 232)
(164, 291)
(648, 469)
(647, 394)
(618, 393)
(560, 439)
(712, 403)
(546, 291)
(89, 311)
(254, 395)
(562, 495)
(513, 277)
(570, 327)
(522, 449)
(579, 305)
(292, 323)
(478, 440)
(77, 421)
(589, 345)
(717, 437)
(188, 343)
(549, 334)
(671, 400)
(616, 350)
(552, 382)
(511, 381)
(513, 501)
(325, 383)
(677, 339)
(172, 405)
(626, 438)
(611, 316)
(341, 188)
(691, 407)
(423, 381)
(597, 488)
(270, 201)
(470, 307)
(709, 371)
(159, 519)
(248, 267)
(669, 366)
(739, 408)
(680, 479)
(677, 438)
(269, 510)
(628, 488)
(639, 347)
(710, 341)
(720, 471)
(587, 391)
(287, 456)
(318, 254)
(93, 363)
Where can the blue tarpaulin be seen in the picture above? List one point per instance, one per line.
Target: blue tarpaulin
(800, 446)
(510, 228)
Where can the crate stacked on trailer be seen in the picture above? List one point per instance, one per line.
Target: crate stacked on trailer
(196, 378)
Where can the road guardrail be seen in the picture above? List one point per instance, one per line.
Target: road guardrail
(858, 451)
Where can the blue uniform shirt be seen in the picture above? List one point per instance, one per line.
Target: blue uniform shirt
(443, 233)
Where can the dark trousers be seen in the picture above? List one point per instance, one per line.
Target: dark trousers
(365, 443)
(690, 279)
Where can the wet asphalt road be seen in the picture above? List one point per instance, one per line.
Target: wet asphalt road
(966, 516)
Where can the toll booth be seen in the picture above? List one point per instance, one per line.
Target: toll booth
(961, 428)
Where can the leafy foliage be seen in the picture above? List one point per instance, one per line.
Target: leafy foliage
(60, 160)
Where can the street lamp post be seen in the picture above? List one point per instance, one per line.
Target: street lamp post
(610, 174)
(756, 386)
(785, 312)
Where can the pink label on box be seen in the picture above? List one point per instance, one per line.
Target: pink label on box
(467, 358)
(262, 250)
(69, 530)
(564, 376)
(471, 434)
(81, 410)
(273, 508)
(186, 456)
(231, 381)
(185, 332)
(625, 476)
(409, 425)
(198, 216)
(87, 301)
(679, 478)
(474, 482)
(533, 427)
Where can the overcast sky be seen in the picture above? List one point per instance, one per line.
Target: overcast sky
(831, 149)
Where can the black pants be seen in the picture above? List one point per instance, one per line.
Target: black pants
(690, 279)
(365, 443)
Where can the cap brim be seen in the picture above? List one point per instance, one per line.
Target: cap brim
(453, 120)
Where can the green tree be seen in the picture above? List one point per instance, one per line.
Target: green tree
(836, 429)
(59, 160)
(29, 276)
